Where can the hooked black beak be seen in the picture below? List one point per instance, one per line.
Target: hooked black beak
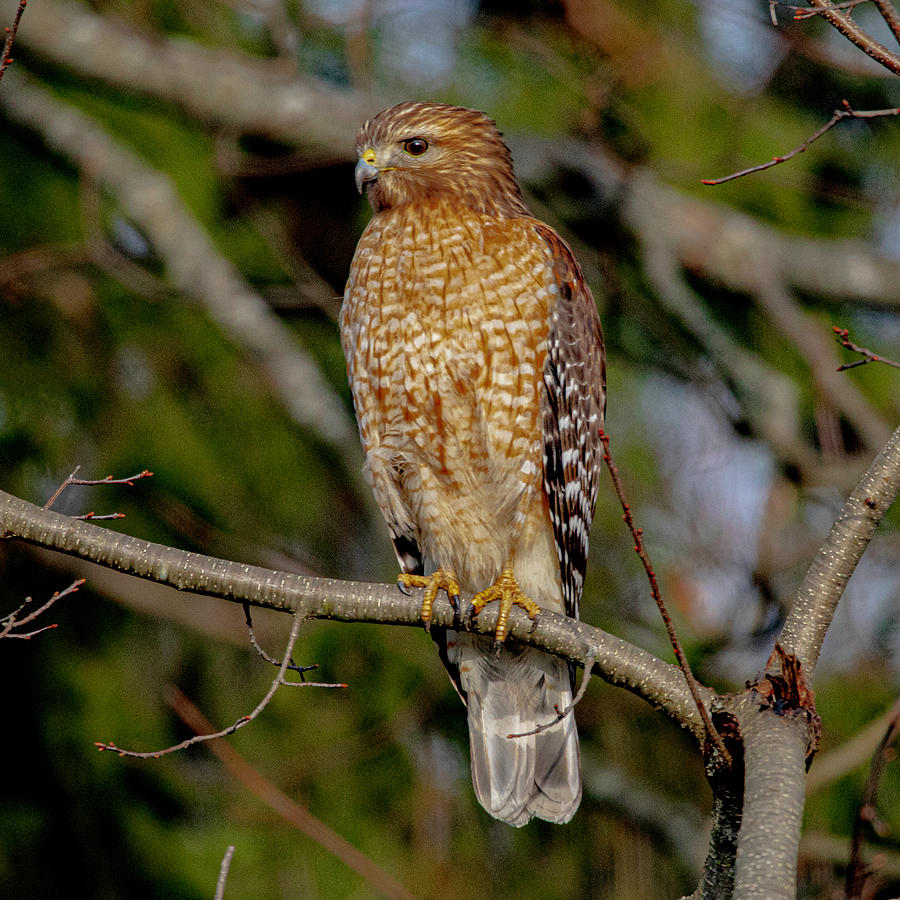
(364, 174)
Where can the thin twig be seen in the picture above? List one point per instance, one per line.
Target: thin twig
(804, 12)
(847, 757)
(291, 811)
(292, 666)
(857, 870)
(637, 534)
(890, 16)
(95, 517)
(843, 338)
(12, 620)
(223, 873)
(231, 729)
(839, 114)
(561, 714)
(11, 30)
(92, 482)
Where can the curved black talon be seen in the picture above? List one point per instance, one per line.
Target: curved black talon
(469, 617)
(403, 588)
(534, 622)
(454, 602)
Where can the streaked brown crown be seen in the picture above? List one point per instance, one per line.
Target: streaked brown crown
(466, 158)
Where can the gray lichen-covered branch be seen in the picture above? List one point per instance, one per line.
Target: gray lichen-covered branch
(617, 661)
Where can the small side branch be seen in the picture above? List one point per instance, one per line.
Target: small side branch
(847, 112)
(857, 870)
(13, 621)
(286, 807)
(804, 12)
(93, 482)
(562, 713)
(292, 666)
(240, 723)
(11, 30)
(890, 16)
(637, 534)
(843, 338)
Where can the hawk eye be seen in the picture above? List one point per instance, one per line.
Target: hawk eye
(415, 146)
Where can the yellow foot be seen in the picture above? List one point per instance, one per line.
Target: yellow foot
(505, 589)
(441, 580)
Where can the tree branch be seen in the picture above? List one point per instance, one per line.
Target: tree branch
(847, 27)
(839, 114)
(291, 811)
(236, 90)
(775, 748)
(843, 338)
(5, 58)
(824, 583)
(617, 661)
(890, 16)
(195, 266)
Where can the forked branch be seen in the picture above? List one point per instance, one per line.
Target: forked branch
(278, 681)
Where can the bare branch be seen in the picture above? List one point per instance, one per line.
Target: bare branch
(288, 809)
(223, 873)
(818, 595)
(839, 115)
(804, 12)
(231, 729)
(857, 870)
(843, 338)
(639, 548)
(5, 58)
(12, 620)
(847, 27)
(93, 482)
(292, 666)
(618, 662)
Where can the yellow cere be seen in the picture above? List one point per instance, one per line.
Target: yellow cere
(369, 156)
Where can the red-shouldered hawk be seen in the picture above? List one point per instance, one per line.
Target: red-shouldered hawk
(476, 362)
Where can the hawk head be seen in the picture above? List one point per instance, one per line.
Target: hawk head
(421, 151)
